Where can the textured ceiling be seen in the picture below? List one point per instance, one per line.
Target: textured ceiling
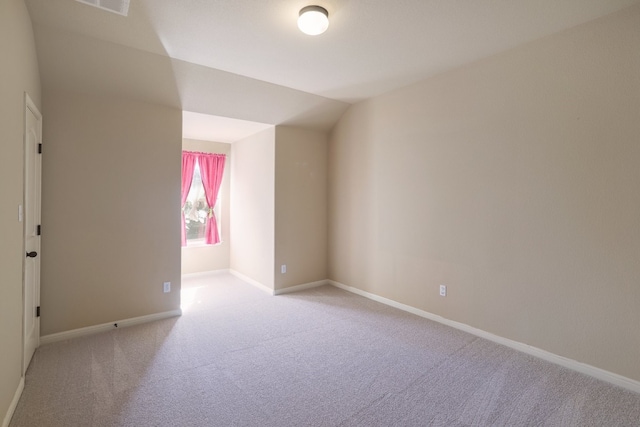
(371, 46)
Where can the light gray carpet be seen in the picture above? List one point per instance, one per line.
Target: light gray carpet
(322, 357)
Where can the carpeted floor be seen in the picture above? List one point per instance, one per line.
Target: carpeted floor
(321, 357)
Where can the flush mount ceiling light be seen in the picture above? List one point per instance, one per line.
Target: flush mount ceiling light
(121, 7)
(313, 20)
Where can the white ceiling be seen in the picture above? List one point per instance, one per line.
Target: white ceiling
(254, 46)
(205, 127)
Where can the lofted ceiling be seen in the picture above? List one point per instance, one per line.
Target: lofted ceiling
(246, 59)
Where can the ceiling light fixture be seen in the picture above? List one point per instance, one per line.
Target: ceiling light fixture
(313, 20)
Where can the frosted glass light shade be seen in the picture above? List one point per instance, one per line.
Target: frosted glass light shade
(313, 20)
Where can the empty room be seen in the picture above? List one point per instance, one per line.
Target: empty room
(327, 213)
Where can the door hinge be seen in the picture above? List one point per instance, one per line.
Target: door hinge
(40, 148)
(38, 311)
(38, 230)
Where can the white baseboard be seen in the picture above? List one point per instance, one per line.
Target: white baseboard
(14, 403)
(278, 291)
(252, 282)
(583, 368)
(204, 273)
(301, 287)
(89, 330)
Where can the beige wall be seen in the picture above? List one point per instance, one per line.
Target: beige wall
(196, 259)
(111, 197)
(18, 74)
(252, 207)
(300, 206)
(514, 181)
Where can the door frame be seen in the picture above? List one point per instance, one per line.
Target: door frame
(30, 107)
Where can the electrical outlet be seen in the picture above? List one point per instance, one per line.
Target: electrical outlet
(443, 290)
(167, 287)
(283, 268)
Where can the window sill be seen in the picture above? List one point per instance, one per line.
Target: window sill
(199, 244)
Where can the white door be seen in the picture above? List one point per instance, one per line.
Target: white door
(32, 184)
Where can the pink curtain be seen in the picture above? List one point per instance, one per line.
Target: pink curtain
(211, 169)
(188, 165)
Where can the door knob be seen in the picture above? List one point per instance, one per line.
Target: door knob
(32, 254)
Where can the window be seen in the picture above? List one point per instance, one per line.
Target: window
(201, 181)
(196, 210)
